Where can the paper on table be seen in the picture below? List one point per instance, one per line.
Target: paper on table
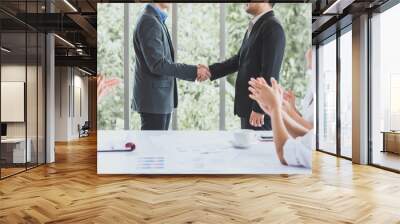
(186, 152)
(151, 162)
(213, 145)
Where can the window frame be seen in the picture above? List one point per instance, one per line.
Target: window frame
(41, 37)
(334, 37)
(379, 10)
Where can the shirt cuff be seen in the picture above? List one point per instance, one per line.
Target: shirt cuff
(289, 152)
(297, 153)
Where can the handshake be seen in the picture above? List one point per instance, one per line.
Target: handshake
(203, 73)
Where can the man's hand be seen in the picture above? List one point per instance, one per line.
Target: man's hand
(203, 73)
(256, 119)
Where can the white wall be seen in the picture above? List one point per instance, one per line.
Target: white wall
(71, 94)
(79, 115)
(61, 103)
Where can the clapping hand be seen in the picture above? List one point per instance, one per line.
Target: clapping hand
(268, 97)
(289, 101)
(104, 86)
(203, 73)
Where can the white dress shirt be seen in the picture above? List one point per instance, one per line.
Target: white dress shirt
(298, 151)
(307, 104)
(253, 22)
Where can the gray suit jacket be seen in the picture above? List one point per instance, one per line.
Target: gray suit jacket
(155, 88)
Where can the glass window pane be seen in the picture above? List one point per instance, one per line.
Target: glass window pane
(237, 21)
(32, 90)
(110, 63)
(23, 85)
(31, 98)
(134, 12)
(41, 99)
(198, 35)
(13, 83)
(346, 94)
(385, 88)
(327, 96)
(295, 21)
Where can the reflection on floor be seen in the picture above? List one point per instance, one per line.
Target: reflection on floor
(70, 191)
(346, 152)
(10, 171)
(387, 159)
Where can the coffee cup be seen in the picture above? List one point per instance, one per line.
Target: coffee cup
(243, 138)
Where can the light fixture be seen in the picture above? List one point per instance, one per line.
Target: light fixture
(80, 51)
(70, 5)
(5, 50)
(337, 7)
(84, 71)
(64, 40)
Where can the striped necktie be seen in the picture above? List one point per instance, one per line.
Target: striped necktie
(250, 27)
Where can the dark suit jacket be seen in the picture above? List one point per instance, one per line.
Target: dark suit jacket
(155, 88)
(261, 54)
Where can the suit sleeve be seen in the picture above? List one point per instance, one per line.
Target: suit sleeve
(221, 69)
(150, 38)
(273, 48)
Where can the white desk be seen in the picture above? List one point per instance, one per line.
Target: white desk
(19, 155)
(186, 152)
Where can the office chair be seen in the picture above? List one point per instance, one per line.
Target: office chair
(84, 130)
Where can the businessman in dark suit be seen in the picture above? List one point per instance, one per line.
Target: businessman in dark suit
(260, 55)
(155, 91)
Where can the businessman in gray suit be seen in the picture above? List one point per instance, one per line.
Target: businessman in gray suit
(155, 91)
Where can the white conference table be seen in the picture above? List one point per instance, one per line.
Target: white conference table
(187, 152)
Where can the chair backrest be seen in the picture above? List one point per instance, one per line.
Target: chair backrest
(86, 125)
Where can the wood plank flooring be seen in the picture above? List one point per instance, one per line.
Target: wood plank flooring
(70, 191)
(10, 171)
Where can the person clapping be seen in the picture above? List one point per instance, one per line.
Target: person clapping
(293, 141)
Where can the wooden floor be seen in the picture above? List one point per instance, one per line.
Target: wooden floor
(5, 172)
(70, 191)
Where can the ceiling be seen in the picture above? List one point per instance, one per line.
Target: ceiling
(75, 23)
(329, 16)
